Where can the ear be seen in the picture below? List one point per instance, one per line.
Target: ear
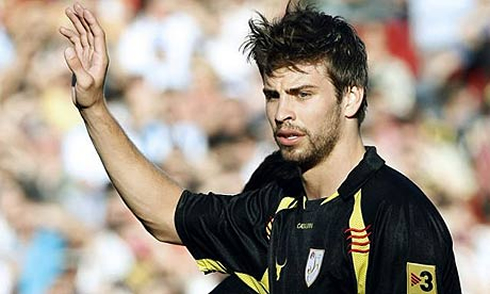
(352, 101)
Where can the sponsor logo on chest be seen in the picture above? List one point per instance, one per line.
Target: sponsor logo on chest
(304, 226)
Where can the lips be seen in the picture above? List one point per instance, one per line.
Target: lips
(288, 137)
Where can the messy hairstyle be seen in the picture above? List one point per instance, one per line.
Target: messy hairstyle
(305, 35)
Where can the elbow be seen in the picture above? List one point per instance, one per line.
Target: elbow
(164, 235)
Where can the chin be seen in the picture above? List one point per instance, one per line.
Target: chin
(305, 159)
(290, 154)
(297, 156)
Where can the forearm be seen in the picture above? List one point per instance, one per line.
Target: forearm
(146, 190)
(150, 194)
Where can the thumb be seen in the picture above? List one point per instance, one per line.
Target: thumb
(75, 66)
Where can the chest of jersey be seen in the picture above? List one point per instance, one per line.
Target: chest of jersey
(311, 248)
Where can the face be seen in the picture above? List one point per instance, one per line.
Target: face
(304, 114)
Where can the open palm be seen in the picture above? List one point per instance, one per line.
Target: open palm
(87, 56)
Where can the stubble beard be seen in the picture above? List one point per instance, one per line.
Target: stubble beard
(316, 148)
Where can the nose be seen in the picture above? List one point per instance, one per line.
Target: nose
(284, 110)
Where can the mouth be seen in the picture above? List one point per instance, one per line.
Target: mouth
(288, 137)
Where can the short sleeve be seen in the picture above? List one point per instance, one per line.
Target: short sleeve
(227, 233)
(412, 246)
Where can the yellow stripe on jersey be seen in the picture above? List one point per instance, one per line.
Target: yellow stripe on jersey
(265, 279)
(209, 265)
(287, 203)
(360, 250)
(331, 197)
(258, 286)
(261, 287)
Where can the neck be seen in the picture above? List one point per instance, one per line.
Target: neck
(323, 180)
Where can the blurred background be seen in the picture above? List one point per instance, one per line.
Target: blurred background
(183, 91)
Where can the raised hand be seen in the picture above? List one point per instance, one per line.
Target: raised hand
(87, 56)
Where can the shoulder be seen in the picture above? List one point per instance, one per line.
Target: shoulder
(265, 199)
(393, 198)
(271, 196)
(392, 187)
(398, 207)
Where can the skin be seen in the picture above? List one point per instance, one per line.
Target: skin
(303, 114)
(312, 128)
(150, 194)
(309, 126)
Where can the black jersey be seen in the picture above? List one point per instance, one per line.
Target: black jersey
(378, 234)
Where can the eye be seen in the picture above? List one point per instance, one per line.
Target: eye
(304, 94)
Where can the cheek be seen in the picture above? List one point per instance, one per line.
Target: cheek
(314, 117)
(322, 118)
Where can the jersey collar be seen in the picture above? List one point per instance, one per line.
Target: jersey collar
(367, 167)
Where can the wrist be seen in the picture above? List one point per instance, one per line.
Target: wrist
(96, 110)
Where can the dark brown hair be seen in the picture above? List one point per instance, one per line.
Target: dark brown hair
(305, 35)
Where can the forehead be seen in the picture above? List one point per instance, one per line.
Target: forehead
(311, 74)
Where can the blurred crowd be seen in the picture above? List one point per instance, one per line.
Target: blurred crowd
(186, 95)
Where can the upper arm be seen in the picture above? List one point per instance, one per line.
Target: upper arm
(412, 249)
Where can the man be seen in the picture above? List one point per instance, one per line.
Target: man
(352, 225)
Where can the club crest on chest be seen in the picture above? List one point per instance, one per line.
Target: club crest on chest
(313, 265)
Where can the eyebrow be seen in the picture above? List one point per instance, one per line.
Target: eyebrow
(270, 93)
(290, 91)
(296, 90)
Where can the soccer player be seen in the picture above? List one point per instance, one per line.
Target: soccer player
(351, 225)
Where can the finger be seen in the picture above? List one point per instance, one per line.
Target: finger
(71, 35)
(79, 9)
(90, 37)
(74, 38)
(69, 56)
(97, 31)
(75, 20)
